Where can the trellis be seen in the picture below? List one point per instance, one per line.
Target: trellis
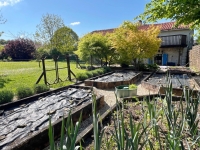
(58, 79)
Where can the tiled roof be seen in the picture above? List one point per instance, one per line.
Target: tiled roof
(164, 26)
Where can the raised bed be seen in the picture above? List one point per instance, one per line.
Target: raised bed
(137, 109)
(24, 123)
(111, 80)
(157, 82)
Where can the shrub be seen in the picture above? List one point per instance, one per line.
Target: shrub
(107, 69)
(89, 74)
(40, 88)
(95, 73)
(20, 49)
(23, 92)
(81, 76)
(132, 86)
(100, 70)
(6, 96)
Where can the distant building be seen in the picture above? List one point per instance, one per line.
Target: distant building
(176, 42)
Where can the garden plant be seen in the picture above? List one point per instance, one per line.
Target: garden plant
(152, 123)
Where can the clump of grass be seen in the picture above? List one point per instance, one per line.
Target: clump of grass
(132, 86)
(6, 96)
(23, 92)
(89, 74)
(100, 70)
(40, 88)
(81, 76)
(95, 73)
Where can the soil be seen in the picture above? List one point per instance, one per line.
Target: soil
(135, 109)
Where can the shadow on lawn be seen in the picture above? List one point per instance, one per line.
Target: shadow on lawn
(3, 81)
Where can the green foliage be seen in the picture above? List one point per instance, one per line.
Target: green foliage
(132, 86)
(133, 44)
(89, 74)
(96, 45)
(23, 92)
(100, 71)
(68, 131)
(40, 88)
(6, 96)
(81, 76)
(106, 69)
(177, 10)
(65, 40)
(95, 73)
(55, 53)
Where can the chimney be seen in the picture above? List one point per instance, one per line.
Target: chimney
(140, 22)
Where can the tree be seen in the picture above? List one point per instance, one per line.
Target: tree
(182, 11)
(134, 44)
(47, 27)
(65, 40)
(20, 49)
(95, 45)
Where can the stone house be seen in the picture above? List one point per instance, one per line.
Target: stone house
(176, 43)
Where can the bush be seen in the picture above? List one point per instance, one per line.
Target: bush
(107, 69)
(100, 70)
(89, 74)
(132, 86)
(20, 49)
(95, 73)
(40, 88)
(23, 92)
(81, 76)
(6, 96)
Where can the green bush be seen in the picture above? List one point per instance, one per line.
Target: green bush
(95, 73)
(40, 88)
(6, 96)
(89, 74)
(132, 86)
(81, 76)
(107, 69)
(23, 92)
(100, 70)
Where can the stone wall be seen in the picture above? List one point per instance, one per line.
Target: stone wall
(194, 58)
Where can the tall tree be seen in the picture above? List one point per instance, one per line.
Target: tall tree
(182, 11)
(65, 40)
(134, 44)
(47, 27)
(96, 45)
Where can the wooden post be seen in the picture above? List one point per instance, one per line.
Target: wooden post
(68, 67)
(44, 70)
(76, 61)
(56, 68)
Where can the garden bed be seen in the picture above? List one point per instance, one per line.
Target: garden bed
(151, 122)
(158, 81)
(24, 123)
(111, 80)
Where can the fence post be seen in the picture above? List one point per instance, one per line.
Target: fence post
(76, 61)
(68, 67)
(44, 70)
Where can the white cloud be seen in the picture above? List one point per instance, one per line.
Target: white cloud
(74, 23)
(8, 2)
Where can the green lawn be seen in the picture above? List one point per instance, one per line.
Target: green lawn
(16, 74)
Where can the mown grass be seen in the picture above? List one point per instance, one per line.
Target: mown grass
(18, 74)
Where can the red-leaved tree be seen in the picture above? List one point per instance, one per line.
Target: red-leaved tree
(20, 49)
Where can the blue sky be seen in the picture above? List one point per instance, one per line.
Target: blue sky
(83, 16)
